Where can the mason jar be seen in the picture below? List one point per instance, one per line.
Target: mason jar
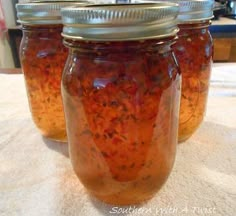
(43, 57)
(121, 92)
(194, 50)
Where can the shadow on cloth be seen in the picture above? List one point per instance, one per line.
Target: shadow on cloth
(60, 147)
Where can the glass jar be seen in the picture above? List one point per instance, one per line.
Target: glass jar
(43, 58)
(194, 50)
(121, 97)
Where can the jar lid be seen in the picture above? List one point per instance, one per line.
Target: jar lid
(43, 12)
(195, 10)
(116, 22)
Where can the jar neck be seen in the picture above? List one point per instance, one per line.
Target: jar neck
(194, 29)
(195, 25)
(41, 27)
(124, 47)
(51, 31)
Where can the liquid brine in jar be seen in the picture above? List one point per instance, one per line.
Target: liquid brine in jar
(121, 92)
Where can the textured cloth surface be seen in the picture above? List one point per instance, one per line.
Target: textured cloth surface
(36, 176)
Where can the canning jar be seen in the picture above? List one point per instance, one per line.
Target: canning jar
(43, 57)
(121, 92)
(193, 51)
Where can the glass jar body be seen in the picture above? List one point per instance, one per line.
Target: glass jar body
(193, 51)
(43, 57)
(121, 102)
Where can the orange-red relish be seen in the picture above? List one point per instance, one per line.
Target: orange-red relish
(193, 50)
(43, 58)
(121, 103)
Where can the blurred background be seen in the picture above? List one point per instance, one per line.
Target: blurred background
(223, 30)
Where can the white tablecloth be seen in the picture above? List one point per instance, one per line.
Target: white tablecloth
(36, 177)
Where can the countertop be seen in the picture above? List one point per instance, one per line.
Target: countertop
(36, 176)
(224, 21)
(223, 28)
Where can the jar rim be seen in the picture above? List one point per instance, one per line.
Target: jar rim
(192, 10)
(120, 22)
(195, 10)
(43, 12)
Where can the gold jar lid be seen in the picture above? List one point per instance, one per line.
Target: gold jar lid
(119, 22)
(43, 12)
(195, 10)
